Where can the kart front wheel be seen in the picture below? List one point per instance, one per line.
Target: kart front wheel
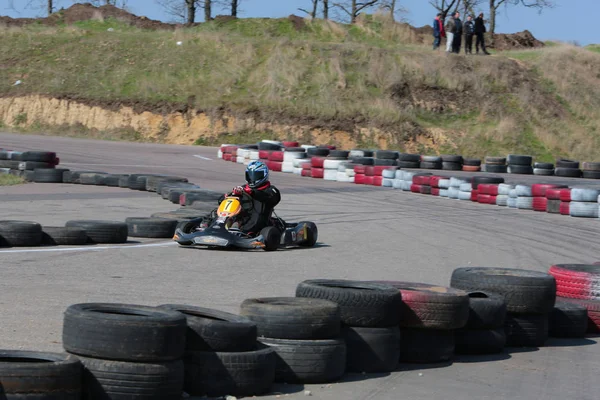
(272, 237)
(312, 234)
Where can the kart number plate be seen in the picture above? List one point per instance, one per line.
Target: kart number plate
(211, 240)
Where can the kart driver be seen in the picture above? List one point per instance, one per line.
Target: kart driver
(264, 198)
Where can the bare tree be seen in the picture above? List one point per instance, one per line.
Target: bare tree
(540, 5)
(355, 7)
(235, 4)
(325, 9)
(444, 6)
(393, 7)
(313, 11)
(48, 5)
(185, 10)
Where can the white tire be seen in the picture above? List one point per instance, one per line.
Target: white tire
(525, 203)
(342, 177)
(444, 193)
(298, 162)
(297, 171)
(350, 172)
(504, 189)
(293, 155)
(463, 195)
(406, 186)
(511, 202)
(512, 193)
(585, 194)
(243, 153)
(253, 155)
(523, 191)
(583, 209)
(330, 174)
(398, 184)
(456, 182)
(399, 174)
(465, 187)
(240, 160)
(356, 153)
(272, 142)
(332, 164)
(389, 173)
(502, 200)
(387, 182)
(307, 146)
(453, 192)
(408, 176)
(219, 154)
(444, 183)
(287, 166)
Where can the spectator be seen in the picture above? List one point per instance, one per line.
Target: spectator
(469, 32)
(450, 27)
(458, 31)
(479, 32)
(438, 31)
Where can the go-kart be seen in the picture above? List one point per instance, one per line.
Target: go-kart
(222, 233)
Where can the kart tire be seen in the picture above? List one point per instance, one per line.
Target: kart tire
(516, 159)
(485, 179)
(60, 235)
(272, 237)
(363, 304)
(387, 154)
(495, 161)
(124, 332)
(496, 168)
(48, 175)
(297, 318)
(472, 162)
(372, 349)
(214, 330)
(564, 163)
(308, 361)
(568, 172)
(480, 341)
(313, 234)
(38, 156)
(426, 345)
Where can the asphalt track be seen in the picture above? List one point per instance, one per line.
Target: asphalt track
(365, 233)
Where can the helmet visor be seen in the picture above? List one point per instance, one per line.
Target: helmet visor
(254, 176)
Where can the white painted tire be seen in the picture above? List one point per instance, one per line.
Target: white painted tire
(399, 174)
(463, 195)
(453, 192)
(356, 153)
(287, 166)
(342, 177)
(330, 174)
(444, 193)
(332, 164)
(350, 172)
(253, 155)
(585, 194)
(465, 187)
(307, 146)
(525, 203)
(298, 162)
(272, 142)
(406, 186)
(523, 191)
(293, 155)
(444, 183)
(388, 173)
(219, 154)
(297, 171)
(512, 193)
(387, 182)
(456, 182)
(582, 209)
(511, 202)
(240, 160)
(502, 200)
(343, 167)
(504, 189)
(243, 153)
(398, 184)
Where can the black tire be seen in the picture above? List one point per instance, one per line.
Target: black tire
(338, 153)
(590, 166)
(217, 374)
(541, 165)
(384, 162)
(295, 149)
(430, 165)
(113, 180)
(214, 330)
(272, 238)
(124, 181)
(151, 227)
(308, 361)
(485, 179)
(372, 349)
(312, 233)
(363, 160)
(38, 156)
(30, 176)
(270, 146)
(177, 216)
(409, 164)
(431, 159)
(293, 317)
(568, 320)
(520, 169)
(20, 233)
(387, 154)
(526, 330)
(153, 181)
(451, 166)
(480, 341)
(516, 159)
(119, 380)
(553, 206)
(591, 174)
(569, 164)
(91, 178)
(204, 195)
(175, 195)
(543, 172)
(317, 152)
(451, 158)
(32, 375)
(137, 182)
(568, 172)
(426, 345)
(495, 161)
(361, 304)
(63, 236)
(414, 158)
(48, 175)
(124, 332)
(496, 169)
(102, 231)
(486, 311)
(33, 165)
(524, 291)
(473, 162)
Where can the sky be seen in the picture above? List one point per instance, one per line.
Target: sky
(570, 21)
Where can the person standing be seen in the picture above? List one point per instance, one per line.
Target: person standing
(438, 31)
(479, 33)
(469, 32)
(458, 31)
(450, 26)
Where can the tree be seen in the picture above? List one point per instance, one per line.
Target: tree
(313, 11)
(234, 7)
(325, 9)
(393, 8)
(185, 10)
(495, 4)
(355, 7)
(444, 6)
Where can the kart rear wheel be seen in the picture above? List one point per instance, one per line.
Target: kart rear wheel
(272, 237)
(313, 234)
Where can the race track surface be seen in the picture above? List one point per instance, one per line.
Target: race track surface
(365, 233)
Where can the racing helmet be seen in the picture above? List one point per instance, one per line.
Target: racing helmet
(257, 173)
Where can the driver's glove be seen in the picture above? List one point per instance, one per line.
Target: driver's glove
(238, 190)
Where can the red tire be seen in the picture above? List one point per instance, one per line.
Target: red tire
(486, 188)
(565, 195)
(483, 198)
(565, 208)
(291, 144)
(435, 191)
(317, 172)
(577, 281)
(553, 194)
(317, 162)
(370, 170)
(540, 189)
(359, 179)
(415, 188)
(434, 181)
(263, 154)
(306, 166)
(306, 172)
(540, 204)
(378, 169)
(492, 199)
(360, 169)
(276, 156)
(274, 165)
(227, 156)
(471, 168)
(369, 180)
(474, 195)
(422, 180)
(425, 189)
(377, 181)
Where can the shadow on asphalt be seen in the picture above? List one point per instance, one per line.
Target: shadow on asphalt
(359, 377)
(284, 389)
(475, 358)
(569, 342)
(416, 366)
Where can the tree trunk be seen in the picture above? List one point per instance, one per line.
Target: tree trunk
(234, 8)
(354, 12)
(207, 10)
(313, 14)
(393, 9)
(191, 11)
(325, 9)
(492, 29)
(50, 7)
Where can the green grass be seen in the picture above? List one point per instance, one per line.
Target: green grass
(594, 47)
(10, 180)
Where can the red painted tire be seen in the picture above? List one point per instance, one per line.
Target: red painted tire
(553, 194)
(227, 156)
(317, 162)
(565, 195)
(369, 170)
(377, 181)
(471, 168)
(360, 169)
(540, 203)
(274, 165)
(228, 149)
(487, 188)
(415, 188)
(422, 180)
(369, 180)
(359, 179)
(291, 144)
(331, 147)
(565, 208)
(577, 281)
(425, 189)
(474, 195)
(492, 199)
(483, 198)
(306, 166)
(435, 191)
(434, 181)
(306, 172)
(378, 169)
(317, 172)
(540, 189)
(276, 156)
(263, 154)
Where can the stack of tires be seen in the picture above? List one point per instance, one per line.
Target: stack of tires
(386, 158)
(576, 284)
(529, 297)
(495, 165)
(388, 175)
(370, 314)
(105, 232)
(484, 332)
(222, 354)
(434, 181)
(224, 148)
(567, 168)
(429, 318)
(305, 335)
(471, 165)
(275, 160)
(565, 202)
(487, 193)
(591, 170)
(524, 197)
(584, 202)
(359, 174)
(452, 162)
(543, 169)
(518, 164)
(317, 159)
(247, 153)
(465, 190)
(292, 158)
(127, 350)
(503, 193)
(553, 200)
(444, 185)
(409, 161)
(568, 319)
(431, 162)
(454, 188)
(229, 152)
(511, 202)
(540, 201)
(421, 184)
(333, 162)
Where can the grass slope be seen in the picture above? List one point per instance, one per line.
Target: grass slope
(9, 180)
(540, 102)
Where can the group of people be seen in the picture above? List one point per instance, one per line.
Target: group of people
(454, 29)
